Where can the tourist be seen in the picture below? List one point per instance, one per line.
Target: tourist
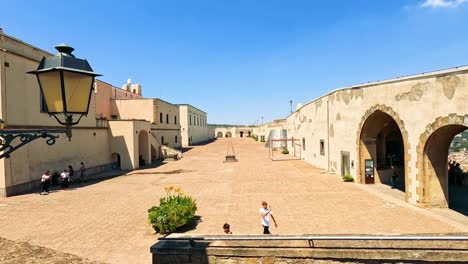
(227, 229)
(266, 213)
(45, 181)
(65, 176)
(451, 171)
(394, 177)
(83, 173)
(71, 172)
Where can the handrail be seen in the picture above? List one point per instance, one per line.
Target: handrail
(441, 238)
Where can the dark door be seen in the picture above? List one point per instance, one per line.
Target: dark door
(369, 171)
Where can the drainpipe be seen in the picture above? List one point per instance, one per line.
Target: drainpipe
(328, 134)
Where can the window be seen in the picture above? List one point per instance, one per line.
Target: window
(175, 139)
(175, 120)
(190, 119)
(167, 118)
(303, 144)
(160, 117)
(322, 147)
(113, 117)
(198, 121)
(162, 140)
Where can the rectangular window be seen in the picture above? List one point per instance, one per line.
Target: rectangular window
(303, 144)
(175, 120)
(160, 118)
(190, 119)
(176, 139)
(322, 147)
(167, 118)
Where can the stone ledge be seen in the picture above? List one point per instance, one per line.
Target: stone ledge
(358, 250)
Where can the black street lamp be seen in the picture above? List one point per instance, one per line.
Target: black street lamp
(66, 84)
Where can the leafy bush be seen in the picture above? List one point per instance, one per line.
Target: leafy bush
(255, 137)
(348, 178)
(285, 151)
(174, 210)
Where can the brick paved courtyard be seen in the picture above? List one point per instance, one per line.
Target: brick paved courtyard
(107, 221)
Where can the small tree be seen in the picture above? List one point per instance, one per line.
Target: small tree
(174, 210)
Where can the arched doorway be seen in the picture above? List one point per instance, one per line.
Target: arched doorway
(143, 148)
(228, 134)
(249, 134)
(116, 162)
(219, 134)
(439, 188)
(241, 134)
(381, 146)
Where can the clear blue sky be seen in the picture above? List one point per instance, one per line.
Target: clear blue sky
(239, 60)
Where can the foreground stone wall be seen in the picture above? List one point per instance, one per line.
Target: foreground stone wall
(313, 251)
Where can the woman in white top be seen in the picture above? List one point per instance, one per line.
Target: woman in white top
(64, 175)
(45, 181)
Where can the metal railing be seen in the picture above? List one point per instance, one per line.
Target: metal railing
(233, 238)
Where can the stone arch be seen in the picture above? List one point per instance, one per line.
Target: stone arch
(361, 144)
(219, 134)
(432, 174)
(228, 134)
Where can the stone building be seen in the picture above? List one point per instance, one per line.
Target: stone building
(194, 125)
(406, 122)
(122, 129)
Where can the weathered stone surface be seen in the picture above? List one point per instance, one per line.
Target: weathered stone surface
(338, 116)
(449, 84)
(414, 94)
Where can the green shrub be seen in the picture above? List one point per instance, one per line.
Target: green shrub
(174, 210)
(285, 151)
(348, 178)
(255, 137)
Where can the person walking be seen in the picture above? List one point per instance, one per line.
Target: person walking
(45, 181)
(65, 176)
(227, 229)
(71, 172)
(266, 213)
(83, 173)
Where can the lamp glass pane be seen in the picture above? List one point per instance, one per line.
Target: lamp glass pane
(50, 85)
(77, 91)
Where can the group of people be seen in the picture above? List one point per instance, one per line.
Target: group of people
(265, 213)
(67, 177)
(455, 172)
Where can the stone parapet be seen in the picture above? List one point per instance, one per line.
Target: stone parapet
(310, 251)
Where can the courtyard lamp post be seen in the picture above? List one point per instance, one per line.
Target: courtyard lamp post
(65, 83)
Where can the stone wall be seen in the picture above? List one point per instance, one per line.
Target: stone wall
(309, 251)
